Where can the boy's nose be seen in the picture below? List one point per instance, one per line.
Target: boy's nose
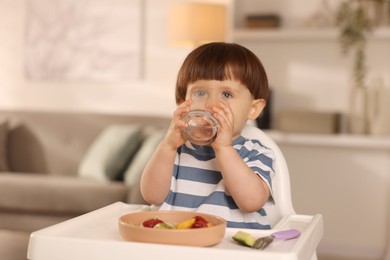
(212, 101)
(205, 103)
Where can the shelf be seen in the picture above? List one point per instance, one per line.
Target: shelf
(336, 140)
(320, 34)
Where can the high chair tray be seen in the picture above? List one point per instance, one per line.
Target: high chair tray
(95, 236)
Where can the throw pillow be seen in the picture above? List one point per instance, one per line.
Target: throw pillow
(133, 173)
(3, 145)
(107, 157)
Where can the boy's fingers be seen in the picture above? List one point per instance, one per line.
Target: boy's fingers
(223, 112)
(182, 108)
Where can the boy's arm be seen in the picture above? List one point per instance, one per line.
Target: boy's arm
(248, 190)
(156, 177)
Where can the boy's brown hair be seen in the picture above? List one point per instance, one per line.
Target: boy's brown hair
(223, 61)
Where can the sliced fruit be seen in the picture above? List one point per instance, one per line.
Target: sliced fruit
(164, 225)
(200, 219)
(200, 222)
(244, 238)
(186, 224)
(150, 223)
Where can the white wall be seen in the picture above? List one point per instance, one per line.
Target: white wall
(308, 74)
(154, 93)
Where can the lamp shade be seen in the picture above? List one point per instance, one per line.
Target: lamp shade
(191, 24)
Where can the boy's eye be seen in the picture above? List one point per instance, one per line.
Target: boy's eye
(199, 93)
(227, 95)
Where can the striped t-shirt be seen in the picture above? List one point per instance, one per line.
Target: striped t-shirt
(197, 183)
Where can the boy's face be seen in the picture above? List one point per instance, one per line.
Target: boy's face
(208, 93)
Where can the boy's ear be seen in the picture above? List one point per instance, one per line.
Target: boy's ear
(256, 108)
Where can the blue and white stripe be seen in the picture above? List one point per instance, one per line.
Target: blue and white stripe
(197, 184)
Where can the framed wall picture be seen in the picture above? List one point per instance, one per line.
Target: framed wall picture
(83, 40)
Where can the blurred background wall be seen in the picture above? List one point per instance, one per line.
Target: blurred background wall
(306, 69)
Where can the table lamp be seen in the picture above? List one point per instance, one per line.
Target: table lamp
(192, 24)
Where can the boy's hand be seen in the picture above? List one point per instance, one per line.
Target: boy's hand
(223, 113)
(174, 138)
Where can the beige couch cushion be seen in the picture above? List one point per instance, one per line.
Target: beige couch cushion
(57, 195)
(132, 175)
(54, 142)
(109, 154)
(3, 145)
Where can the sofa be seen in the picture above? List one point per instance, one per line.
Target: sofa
(58, 165)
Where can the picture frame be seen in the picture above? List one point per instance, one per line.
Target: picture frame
(83, 40)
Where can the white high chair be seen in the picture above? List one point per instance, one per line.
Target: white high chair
(280, 182)
(95, 235)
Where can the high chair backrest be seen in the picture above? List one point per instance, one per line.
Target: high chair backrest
(281, 181)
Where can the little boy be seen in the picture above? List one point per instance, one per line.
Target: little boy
(230, 178)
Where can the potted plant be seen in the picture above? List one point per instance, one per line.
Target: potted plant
(354, 25)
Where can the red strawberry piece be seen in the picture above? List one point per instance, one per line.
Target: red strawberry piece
(150, 223)
(200, 222)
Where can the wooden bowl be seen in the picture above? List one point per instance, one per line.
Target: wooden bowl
(131, 229)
